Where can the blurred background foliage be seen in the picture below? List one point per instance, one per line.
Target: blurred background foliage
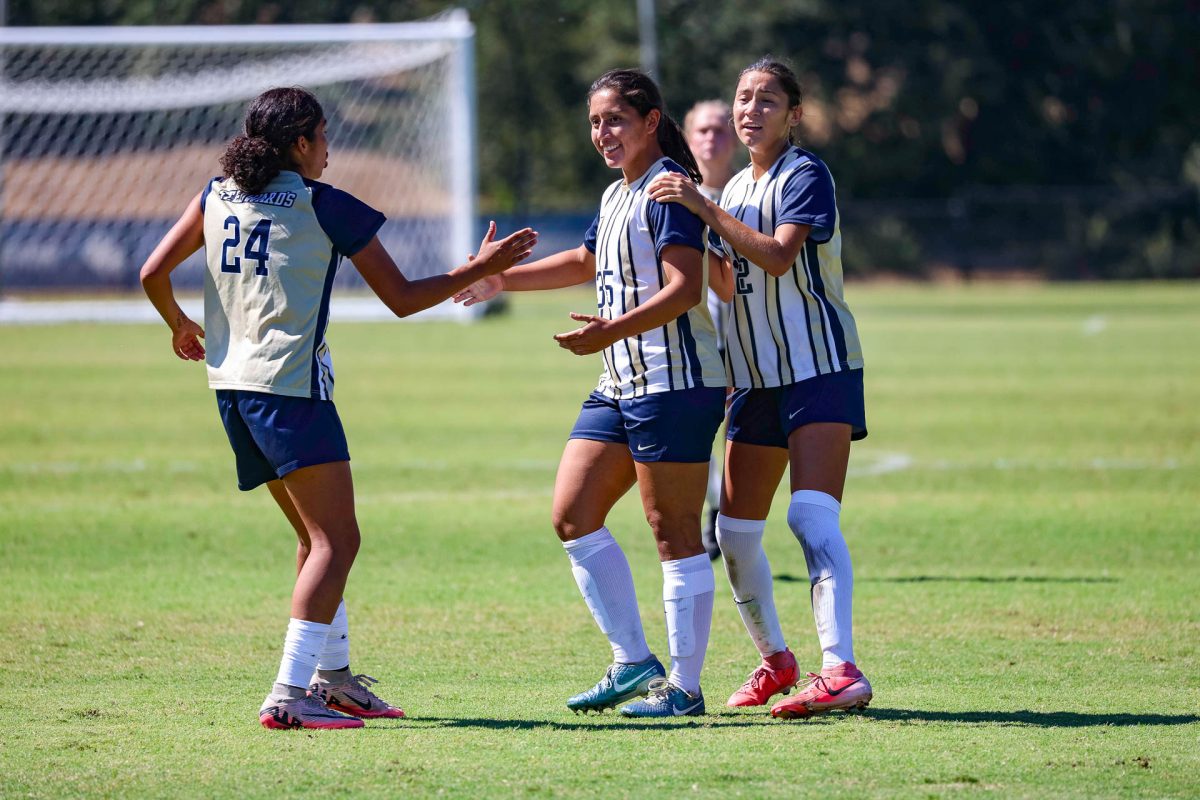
(1060, 138)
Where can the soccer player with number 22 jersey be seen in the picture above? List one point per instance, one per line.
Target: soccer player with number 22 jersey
(795, 362)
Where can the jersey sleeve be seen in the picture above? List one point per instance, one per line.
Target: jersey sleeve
(808, 199)
(672, 223)
(349, 223)
(589, 238)
(204, 194)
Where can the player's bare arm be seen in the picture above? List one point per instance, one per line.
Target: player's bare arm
(565, 268)
(682, 267)
(720, 276)
(405, 297)
(774, 254)
(185, 237)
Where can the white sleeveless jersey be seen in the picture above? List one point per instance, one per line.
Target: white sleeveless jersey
(627, 238)
(785, 329)
(271, 262)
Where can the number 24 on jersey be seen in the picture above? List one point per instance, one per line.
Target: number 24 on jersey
(256, 249)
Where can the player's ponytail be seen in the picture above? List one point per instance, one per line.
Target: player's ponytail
(787, 81)
(274, 121)
(640, 92)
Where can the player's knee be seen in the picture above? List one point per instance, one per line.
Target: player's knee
(568, 527)
(673, 524)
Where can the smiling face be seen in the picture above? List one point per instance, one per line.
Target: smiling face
(627, 140)
(761, 113)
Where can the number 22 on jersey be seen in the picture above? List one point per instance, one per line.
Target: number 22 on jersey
(256, 249)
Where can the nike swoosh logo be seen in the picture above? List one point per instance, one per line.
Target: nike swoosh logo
(647, 447)
(844, 688)
(622, 688)
(794, 413)
(686, 711)
(364, 706)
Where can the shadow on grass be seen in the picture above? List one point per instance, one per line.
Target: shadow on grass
(788, 578)
(617, 723)
(1037, 719)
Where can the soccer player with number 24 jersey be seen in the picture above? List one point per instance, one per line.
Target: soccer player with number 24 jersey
(274, 237)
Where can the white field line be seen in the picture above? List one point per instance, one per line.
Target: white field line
(1094, 324)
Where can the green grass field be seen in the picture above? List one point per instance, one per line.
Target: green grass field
(1024, 520)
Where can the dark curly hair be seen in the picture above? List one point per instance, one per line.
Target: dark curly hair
(641, 93)
(274, 121)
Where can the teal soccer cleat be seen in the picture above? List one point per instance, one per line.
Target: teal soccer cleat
(666, 700)
(621, 682)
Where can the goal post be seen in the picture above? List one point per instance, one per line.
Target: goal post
(107, 133)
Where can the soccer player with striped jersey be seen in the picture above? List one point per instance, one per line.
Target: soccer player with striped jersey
(708, 126)
(274, 237)
(795, 361)
(659, 402)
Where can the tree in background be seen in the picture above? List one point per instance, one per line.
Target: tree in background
(922, 100)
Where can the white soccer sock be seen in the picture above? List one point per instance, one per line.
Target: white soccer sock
(336, 653)
(688, 589)
(813, 518)
(749, 575)
(602, 574)
(301, 648)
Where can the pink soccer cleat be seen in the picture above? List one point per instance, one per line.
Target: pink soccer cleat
(842, 687)
(776, 674)
(355, 697)
(282, 713)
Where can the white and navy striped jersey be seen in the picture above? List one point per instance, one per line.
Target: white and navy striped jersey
(627, 237)
(718, 309)
(271, 260)
(786, 329)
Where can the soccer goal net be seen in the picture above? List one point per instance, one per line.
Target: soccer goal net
(107, 133)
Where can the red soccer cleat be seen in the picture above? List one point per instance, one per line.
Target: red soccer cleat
(776, 674)
(842, 687)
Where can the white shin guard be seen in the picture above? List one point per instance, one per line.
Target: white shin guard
(813, 518)
(602, 574)
(749, 575)
(688, 588)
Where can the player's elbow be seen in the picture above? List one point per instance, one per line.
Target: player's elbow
(148, 274)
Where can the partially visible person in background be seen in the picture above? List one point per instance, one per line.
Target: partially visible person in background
(708, 127)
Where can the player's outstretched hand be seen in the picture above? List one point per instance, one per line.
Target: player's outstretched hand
(185, 340)
(672, 187)
(591, 338)
(498, 256)
(481, 290)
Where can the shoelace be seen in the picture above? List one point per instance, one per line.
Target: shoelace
(755, 679)
(364, 683)
(814, 678)
(659, 689)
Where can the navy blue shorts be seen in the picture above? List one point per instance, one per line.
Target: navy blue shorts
(768, 416)
(273, 435)
(676, 426)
